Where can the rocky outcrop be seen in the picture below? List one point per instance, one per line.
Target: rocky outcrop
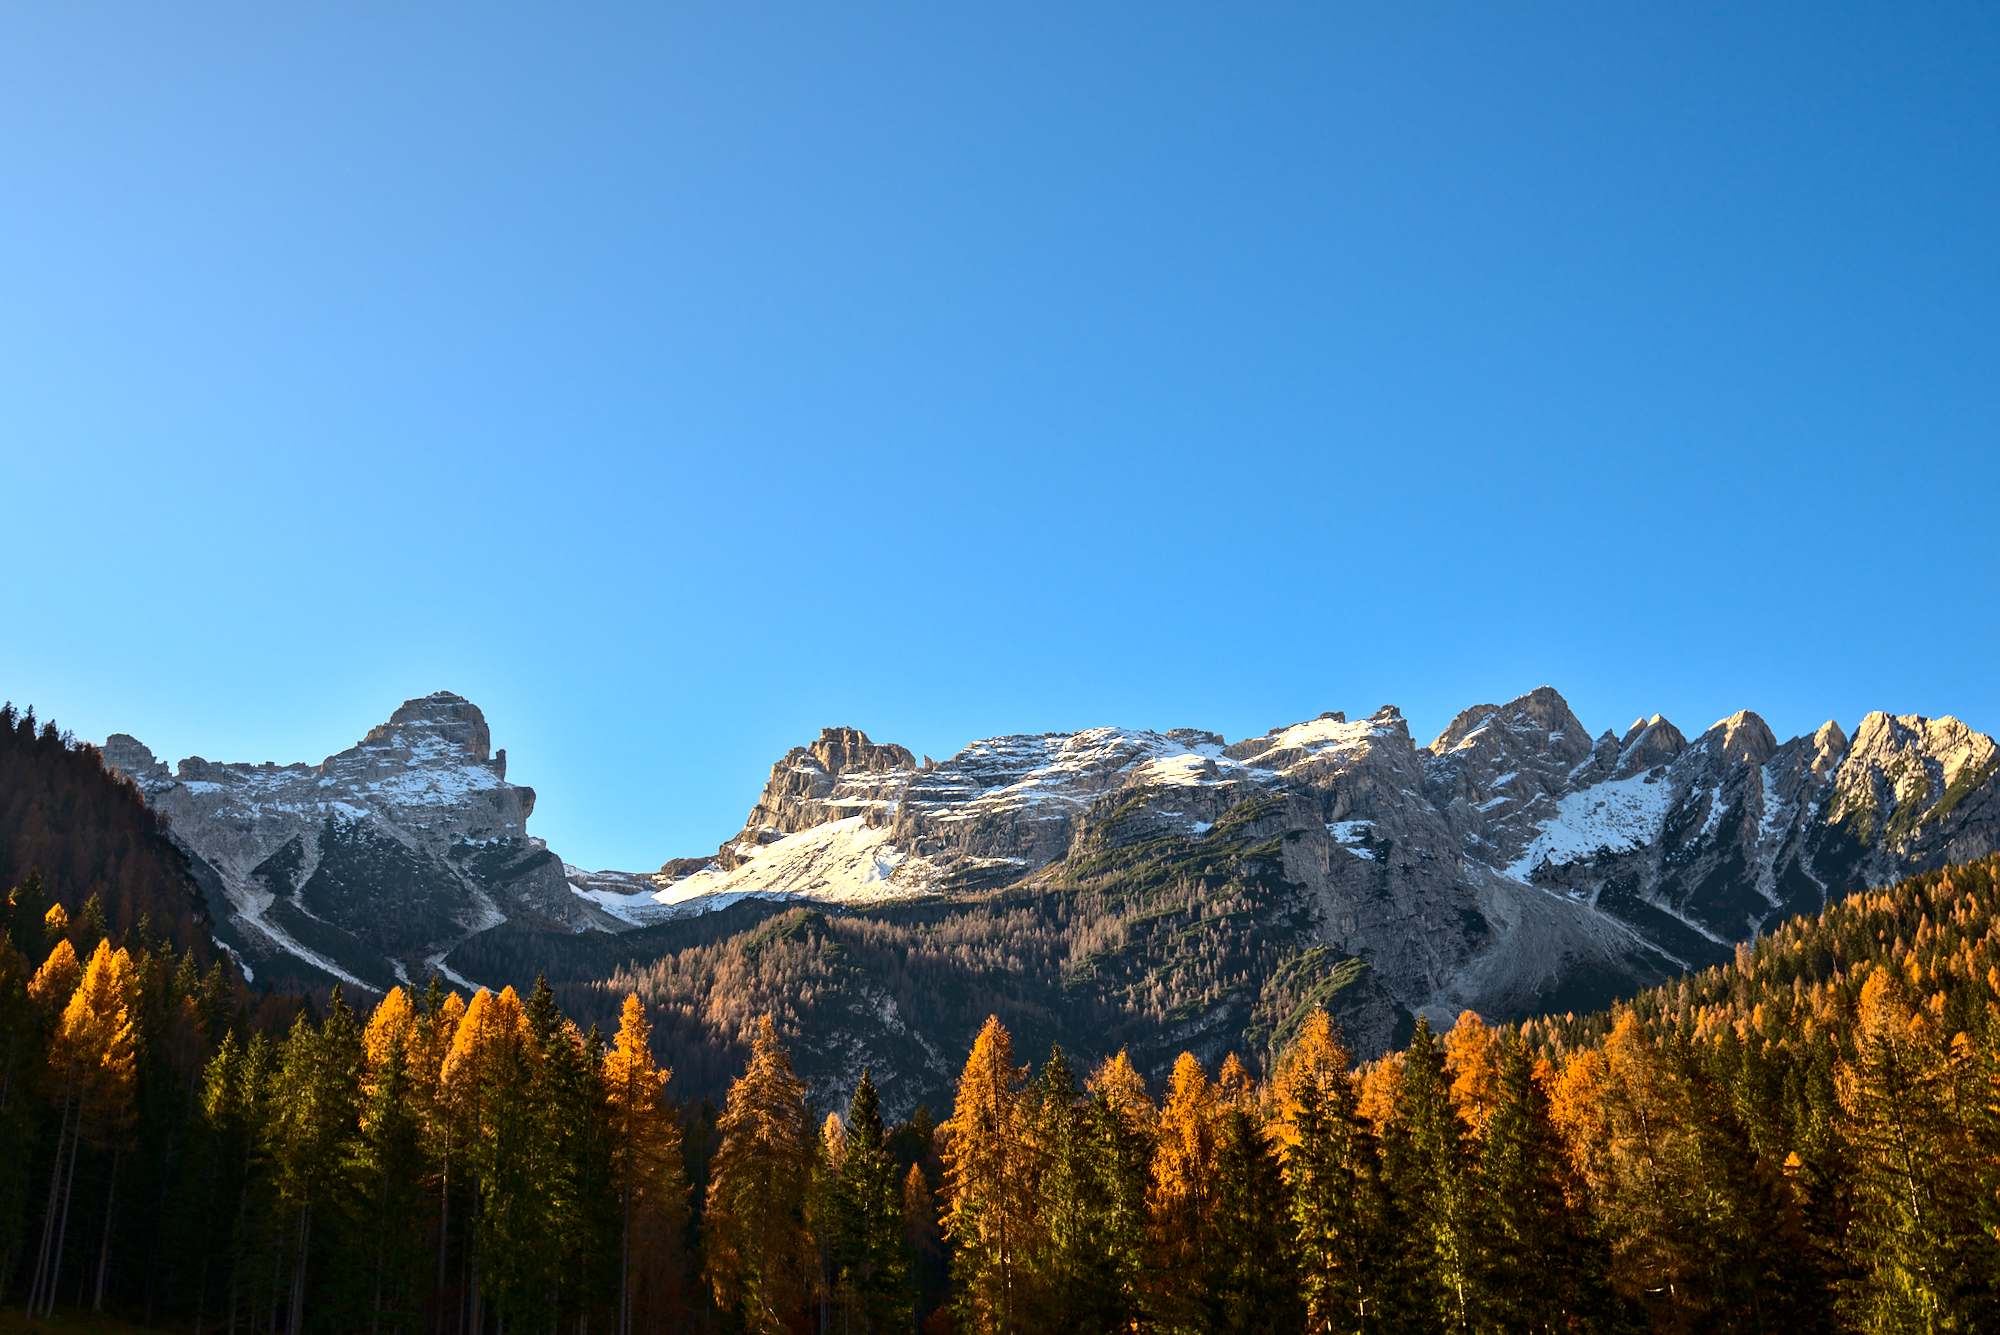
(843, 774)
(1912, 794)
(370, 865)
(1498, 770)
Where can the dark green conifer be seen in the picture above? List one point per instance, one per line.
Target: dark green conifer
(1428, 1164)
(1544, 1268)
(1253, 1287)
(1073, 1272)
(870, 1253)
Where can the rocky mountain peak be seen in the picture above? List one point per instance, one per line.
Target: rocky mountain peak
(1499, 770)
(440, 718)
(1541, 713)
(1741, 739)
(841, 774)
(1546, 706)
(366, 867)
(848, 750)
(1648, 744)
(1906, 772)
(134, 759)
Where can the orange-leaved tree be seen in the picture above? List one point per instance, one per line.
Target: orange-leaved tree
(1472, 1056)
(1180, 1200)
(762, 1261)
(93, 1071)
(389, 1165)
(652, 1182)
(990, 1193)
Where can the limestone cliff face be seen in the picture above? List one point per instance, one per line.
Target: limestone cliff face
(1514, 864)
(842, 774)
(369, 865)
(1913, 793)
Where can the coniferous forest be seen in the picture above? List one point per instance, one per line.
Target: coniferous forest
(1805, 1139)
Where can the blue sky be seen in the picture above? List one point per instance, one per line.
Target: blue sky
(676, 380)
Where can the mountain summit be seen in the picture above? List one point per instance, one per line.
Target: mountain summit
(368, 867)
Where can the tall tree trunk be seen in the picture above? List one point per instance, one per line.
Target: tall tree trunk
(49, 1215)
(236, 1241)
(62, 1230)
(297, 1317)
(160, 1227)
(201, 1275)
(625, 1236)
(104, 1248)
(381, 1244)
(444, 1228)
(469, 1309)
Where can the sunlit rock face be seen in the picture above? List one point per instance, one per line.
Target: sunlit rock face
(373, 863)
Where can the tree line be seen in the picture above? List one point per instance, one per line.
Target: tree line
(1806, 1139)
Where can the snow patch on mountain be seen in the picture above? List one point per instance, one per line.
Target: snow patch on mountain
(844, 861)
(1617, 814)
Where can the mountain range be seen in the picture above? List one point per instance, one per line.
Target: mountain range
(1156, 890)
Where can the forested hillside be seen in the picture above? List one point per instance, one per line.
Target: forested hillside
(1806, 1139)
(82, 837)
(1156, 946)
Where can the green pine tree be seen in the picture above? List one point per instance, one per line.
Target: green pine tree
(871, 1259)
(1074, 1281)
(1253, 1286)
(311, 1137)
(1543, 1264)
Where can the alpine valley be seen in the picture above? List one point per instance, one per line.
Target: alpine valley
(1156, 891)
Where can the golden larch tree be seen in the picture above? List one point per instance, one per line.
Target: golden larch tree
(988, 1186)
(762, 1260)
(646, 1156)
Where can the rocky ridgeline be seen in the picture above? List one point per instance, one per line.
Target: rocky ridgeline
(370, 866)
(1514, 864)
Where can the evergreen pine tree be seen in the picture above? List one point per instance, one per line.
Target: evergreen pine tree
(1252, 1285)
(1543, 1266)
(1074, 1282)
(1428, 1162)
(311, 1136)
(872, 1257)
(1927, 1264)
(1122, 1121)
(1333, 1173)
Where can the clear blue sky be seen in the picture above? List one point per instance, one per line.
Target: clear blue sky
(675, 380)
